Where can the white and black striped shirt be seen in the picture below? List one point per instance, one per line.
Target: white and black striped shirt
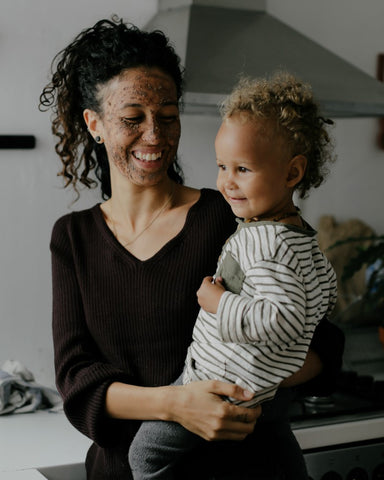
(279, 286)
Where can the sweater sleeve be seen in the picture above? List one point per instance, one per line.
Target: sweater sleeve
(82, 377)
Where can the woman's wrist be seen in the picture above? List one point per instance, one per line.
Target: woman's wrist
(131, 402)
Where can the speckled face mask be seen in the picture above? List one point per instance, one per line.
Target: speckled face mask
(141, 124)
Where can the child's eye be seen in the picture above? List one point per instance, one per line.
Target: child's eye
(221, 167)
(243, 169)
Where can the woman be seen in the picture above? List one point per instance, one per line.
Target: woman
(126, 272)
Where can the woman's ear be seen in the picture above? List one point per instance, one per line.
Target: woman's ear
(296, 170)
(93, 122)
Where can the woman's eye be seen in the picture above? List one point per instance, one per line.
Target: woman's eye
(131, 120)
(169, 118)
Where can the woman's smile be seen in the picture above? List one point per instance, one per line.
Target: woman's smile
(147, 157)
(147, 161)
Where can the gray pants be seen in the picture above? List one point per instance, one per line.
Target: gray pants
(159, 446)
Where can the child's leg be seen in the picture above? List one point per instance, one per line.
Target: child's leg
(156, 447)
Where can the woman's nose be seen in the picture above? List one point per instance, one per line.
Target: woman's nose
(152, 131)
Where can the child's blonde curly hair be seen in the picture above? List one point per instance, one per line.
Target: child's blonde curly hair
(288, 103)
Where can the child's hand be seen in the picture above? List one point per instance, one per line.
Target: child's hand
(209, 293)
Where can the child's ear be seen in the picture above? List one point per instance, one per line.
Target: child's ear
(296, 170)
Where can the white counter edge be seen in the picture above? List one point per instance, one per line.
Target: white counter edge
(339, 433)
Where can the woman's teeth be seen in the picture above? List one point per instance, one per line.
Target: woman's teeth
(148, 157)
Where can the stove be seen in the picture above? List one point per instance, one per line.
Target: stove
(360, 461)
(342, 435)
(356, 396)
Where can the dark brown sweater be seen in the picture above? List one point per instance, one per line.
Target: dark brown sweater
(116, 318)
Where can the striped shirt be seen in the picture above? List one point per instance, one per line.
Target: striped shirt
(279, 285)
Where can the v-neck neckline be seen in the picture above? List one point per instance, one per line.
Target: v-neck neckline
(126, 254)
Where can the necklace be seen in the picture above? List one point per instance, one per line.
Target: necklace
(295, 213)
(160, 211)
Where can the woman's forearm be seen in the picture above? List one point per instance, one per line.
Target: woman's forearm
(130, 402)
(198, 406)
(311, 368)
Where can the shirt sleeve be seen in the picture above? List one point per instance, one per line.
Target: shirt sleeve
(275, 313)
(82, 377)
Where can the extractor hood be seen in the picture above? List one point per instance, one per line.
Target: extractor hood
(219, 39)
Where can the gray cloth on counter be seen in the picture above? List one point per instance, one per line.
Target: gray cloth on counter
(19, 393)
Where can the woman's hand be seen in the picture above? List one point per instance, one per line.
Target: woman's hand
(200, 408)
(209, 293)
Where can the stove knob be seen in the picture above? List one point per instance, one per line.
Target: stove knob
(331, 476)
(357, 474)
(378, 390)
(378, 472)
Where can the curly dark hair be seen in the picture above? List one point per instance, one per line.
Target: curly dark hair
(289, 104)
(94, 57)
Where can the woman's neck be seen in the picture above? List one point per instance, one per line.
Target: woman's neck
(131, 202)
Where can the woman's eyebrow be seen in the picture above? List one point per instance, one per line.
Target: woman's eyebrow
(126, 105)
(138, 105)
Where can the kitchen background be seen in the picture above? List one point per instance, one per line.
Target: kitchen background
(31, 194)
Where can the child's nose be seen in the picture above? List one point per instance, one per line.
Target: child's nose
(230, 182)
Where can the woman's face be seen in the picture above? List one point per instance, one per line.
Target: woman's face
(140, 124)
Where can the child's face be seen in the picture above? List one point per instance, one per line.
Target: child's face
(253, 168)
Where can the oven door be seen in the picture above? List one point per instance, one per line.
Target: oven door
(354, 461)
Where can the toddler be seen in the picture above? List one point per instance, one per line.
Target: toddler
(273, 284)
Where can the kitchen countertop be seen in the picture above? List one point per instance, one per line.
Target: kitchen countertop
(37, 441)
(22, 475)
(31, 441)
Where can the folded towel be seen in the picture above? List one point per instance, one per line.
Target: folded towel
(19, 393)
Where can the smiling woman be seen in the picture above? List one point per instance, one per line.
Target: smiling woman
(125, 272)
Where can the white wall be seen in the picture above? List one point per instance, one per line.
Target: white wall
(31, 195)
(31, 33)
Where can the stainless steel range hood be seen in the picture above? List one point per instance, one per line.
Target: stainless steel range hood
(219, 39)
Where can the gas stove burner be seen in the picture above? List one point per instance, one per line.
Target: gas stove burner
(314, 400)
(320, 403)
